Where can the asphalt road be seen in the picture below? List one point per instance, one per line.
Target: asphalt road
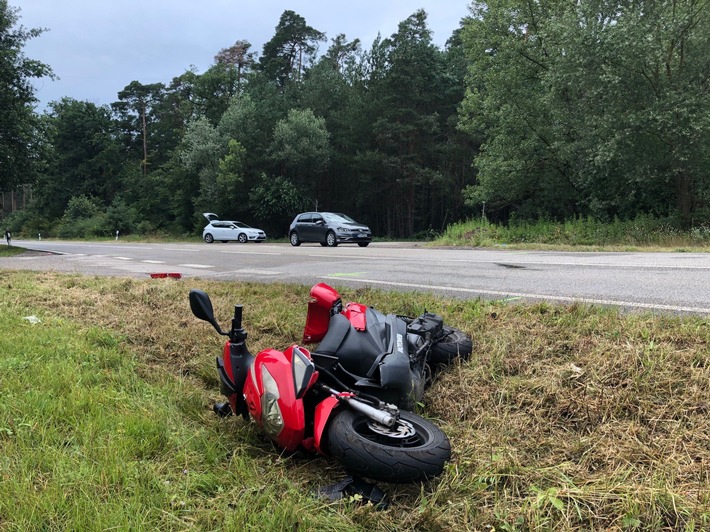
(659, 282)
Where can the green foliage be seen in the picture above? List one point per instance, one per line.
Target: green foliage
(136, 109)
(230, 174)
(121, 217)
(566, 110)
(26, 223)
(81, 207)
(277, 199)
(293, 45)
(642, 231)
(586, 108)
(86, 217)
(20, 132)
(85, 156)
(350, 128)
(301, 144)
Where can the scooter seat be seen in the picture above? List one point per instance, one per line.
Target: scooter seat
(357, 351)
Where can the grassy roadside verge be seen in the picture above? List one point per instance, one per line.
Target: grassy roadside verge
(566, 418)
(641, 234)
(10, 251)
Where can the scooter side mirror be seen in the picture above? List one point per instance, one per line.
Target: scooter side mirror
(201, 307)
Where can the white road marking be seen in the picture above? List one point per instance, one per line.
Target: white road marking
(197, 265)
(252, 252)
(123, 258)
(258, 272)
(565, 299)
(154, 261)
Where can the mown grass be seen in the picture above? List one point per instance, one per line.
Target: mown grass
(565, 418)
(10, 251)
(581, 234)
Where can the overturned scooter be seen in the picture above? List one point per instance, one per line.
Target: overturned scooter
(301, 404)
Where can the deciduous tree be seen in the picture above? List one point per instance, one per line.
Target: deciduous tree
(19, 135)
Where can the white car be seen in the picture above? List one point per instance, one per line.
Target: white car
(226, 230)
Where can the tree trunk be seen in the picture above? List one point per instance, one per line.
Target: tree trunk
(684, 197)
(145, 142)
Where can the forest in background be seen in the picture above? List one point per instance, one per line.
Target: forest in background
(549, 110)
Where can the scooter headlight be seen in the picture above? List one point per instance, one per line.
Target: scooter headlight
(271, 417)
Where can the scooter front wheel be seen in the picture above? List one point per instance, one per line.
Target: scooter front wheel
(414, 450)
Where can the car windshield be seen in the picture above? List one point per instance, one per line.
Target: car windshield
(337, 217)
(242, 225)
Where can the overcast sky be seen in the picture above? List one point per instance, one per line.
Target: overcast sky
(97, 47)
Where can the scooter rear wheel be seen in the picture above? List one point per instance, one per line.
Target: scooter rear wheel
(414, 450)
(453, 345)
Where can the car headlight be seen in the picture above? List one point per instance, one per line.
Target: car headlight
(271, 417)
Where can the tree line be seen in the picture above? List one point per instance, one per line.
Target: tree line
(543, 109)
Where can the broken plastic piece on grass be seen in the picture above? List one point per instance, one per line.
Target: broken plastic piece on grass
(32, 319)
(172, 275)
(357, 489)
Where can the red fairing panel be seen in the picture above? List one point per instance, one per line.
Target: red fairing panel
(279, 367)
(322, 414)
(355, 313)
(323, 299)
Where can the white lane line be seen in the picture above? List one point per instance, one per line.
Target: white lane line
(565, 299)
(252, 252)
(504, 262)
(258, 272)
(197, 265)
(154, 261)
(514, 261)
(122, 258)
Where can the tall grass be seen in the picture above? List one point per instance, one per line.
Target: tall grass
(565, 417)
(644, 231)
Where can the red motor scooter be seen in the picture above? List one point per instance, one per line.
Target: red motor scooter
(301, 405)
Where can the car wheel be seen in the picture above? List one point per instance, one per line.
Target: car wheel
(330, 239)
(209, 238)
(242, 238)
(294, 239)
(363, 244)
(323, 244)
